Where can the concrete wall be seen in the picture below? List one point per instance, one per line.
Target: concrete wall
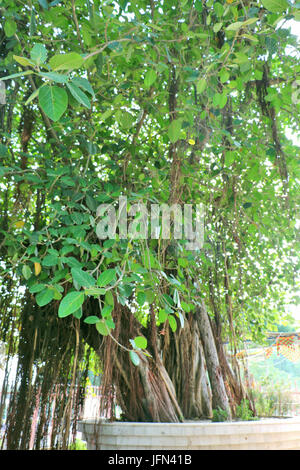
(265, 434)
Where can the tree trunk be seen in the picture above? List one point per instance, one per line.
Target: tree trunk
(144, 392)
(179, 378)
(184, 360)
(219, 395)
(234, 386)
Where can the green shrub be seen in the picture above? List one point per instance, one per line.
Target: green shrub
(243, 411)
(219, 415)
(78, 445)
(273, 399)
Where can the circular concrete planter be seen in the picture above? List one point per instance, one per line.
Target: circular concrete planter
(264, 434)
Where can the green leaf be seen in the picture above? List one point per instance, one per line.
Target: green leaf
(216, 99)
(124, 119)
(109, 298)
(167, 300)
(32, 96)
(91, 203)
(223, 100)
(241, 24)
(106, 311)
(53, 101)
(172, 323)
(201, 85)
(217, 27)
(134, 358)
(275, 6)
(250, 21)
(82, 278)
(181, 319)
(241, 58)
(229, 158)
(185, 307)
(150, 78)
(4, 153)
(36, 288)
(23, 61)
(44, 297)
(174, 130)
(106, 277)
(79, 95)
(110, 323)
(78, 313)
(50, 260)
(70, 303)
(68, 61)
(44, 4)
(95, 291)
(141, 298)
(150, 296)
(16, 75)
(10, 27)
(106, 114)
(71, 261)
(138, 268)
(102, 328)
(38, 54)
(92, 320)
(61, 274)
(250, 37)
(224, 75)
(183, 262)
(219, 9)
(235, 26)
(26, 271)
(55, 77)
(162, 315)
(32, 26)
(57, 292)
(140, 342)
(84, 84)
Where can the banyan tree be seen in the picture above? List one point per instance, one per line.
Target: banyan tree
(113, 116)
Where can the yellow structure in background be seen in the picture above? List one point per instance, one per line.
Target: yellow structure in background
(286, 344)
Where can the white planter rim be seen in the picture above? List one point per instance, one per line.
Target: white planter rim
(200, 423)
(261, 434)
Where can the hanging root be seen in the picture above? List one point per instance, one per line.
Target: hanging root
(46, 383)
(268, 110)
(144, 392)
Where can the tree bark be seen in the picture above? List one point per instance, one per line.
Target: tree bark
(144, 392)
(179, 378)
(219, 395)
(184, 360)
